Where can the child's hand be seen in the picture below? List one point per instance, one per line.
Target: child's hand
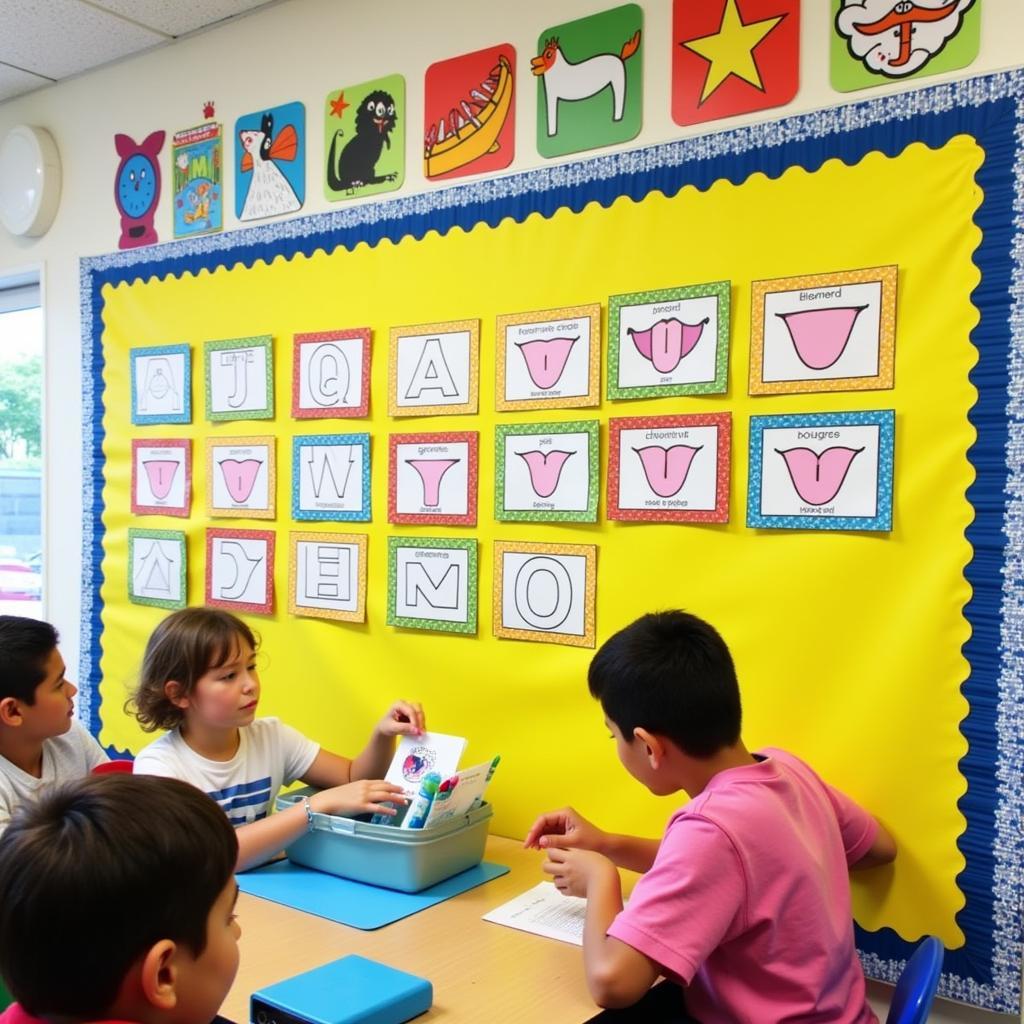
(363, 797)
(403, 719)
(577, 871)
(566, 830)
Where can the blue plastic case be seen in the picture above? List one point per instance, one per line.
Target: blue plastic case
(404, 859)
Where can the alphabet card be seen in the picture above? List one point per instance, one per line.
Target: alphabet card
(547, 471)
(432, 583)
(241, 477)
(549, 359)
(823, 471)
(823, 332)
(327, 575)
(331, 477)
(161, 384)
(240, 379)
(331, 374)
(432, 478)
(240, 570)
(669, 469)
(434, 369)
(162, 477)
(545, 592)
(672, 341)
(156, 568)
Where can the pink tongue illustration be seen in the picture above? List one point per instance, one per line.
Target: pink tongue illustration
(546, 359)
(431, 473)
(818, 478)
(820, 336)
(667, 342)
(160, 473)
(545, 469)
(666, 469)
(240, 477)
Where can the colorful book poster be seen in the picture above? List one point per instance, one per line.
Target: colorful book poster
(732, 57)
(879, 41)
(590, 82)
(270, 163)
(198, 159)
(364, 138)
(469, 113)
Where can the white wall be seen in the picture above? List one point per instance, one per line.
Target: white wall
(302, 49)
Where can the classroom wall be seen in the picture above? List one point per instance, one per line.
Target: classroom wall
(302, 50)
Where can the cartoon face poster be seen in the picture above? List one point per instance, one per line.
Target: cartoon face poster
(879, 41)
(364, 138)
(137, 188)
(270, 162)
(589, 82)
(198, 169)
(469, 113)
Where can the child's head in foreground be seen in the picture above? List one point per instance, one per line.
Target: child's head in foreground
(186, 647)
(670, 674)
(118, 902)
(34, 694)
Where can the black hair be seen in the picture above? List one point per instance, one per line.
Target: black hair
(25, 644)
(672, 674)
(94, 874)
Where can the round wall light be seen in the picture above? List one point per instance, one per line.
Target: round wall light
(29, 180)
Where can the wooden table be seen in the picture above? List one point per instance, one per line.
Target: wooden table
(480, 971)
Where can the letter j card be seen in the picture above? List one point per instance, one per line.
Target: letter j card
(822, 471)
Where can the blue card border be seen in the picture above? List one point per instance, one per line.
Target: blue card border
(143, 419)
(312, 515)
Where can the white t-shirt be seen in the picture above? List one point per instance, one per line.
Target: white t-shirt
(69, 756)
(270, 755)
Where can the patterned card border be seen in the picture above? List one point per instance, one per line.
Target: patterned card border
(344, 412)
(209, 347)
(141, 419)
(467, 544)
(468, 437)
(887, 276)
(219, 512)
(218, 533)
(360, 540)
(472, 405)
(328, 515)
(180, 511)
(719, 514)
(588, 551)
(177, 537)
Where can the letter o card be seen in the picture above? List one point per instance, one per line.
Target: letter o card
(327, 575)
(331, 374)
(432, 583)
(824, 471)
(545, 592)
(240, 570)
(434, 369)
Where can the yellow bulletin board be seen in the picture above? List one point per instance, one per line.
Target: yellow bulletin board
(850, 645)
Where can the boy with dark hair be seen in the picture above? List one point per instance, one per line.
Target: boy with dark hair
(146, 862)
(746, 898)
(40, 741)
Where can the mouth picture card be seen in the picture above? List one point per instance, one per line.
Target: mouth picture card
(157, 566)
(241, 477)
(327, 575)
(162, 477)
(432, 478)
(161, 384)
(240, 570)
(331, 477)
(434, 369)
(432, 583)
(331, 374)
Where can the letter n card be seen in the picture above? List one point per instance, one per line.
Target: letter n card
(432, 583)
(240, 570)
(327, 575)
(669, 469)
(433, 478)
(162, 477)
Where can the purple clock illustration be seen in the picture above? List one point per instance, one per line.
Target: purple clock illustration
(137, 188)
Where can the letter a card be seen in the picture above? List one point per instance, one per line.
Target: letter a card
(240, 570)
(240, 379)
(327, 575)
(432, 583)
(821, 471)
(161, 384)
(545, 592)
(669, 469)
(331, 374)
(434, 369)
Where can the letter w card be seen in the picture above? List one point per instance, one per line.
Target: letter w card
(432, 583)
(824, 471)
(434, 369)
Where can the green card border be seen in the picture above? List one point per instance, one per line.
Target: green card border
(175, 535)
(468, 544)
(721, 289)
(267, 412)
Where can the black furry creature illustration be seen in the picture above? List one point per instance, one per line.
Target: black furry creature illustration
(357, 165)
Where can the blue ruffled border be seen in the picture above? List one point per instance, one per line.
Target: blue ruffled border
(987, 970)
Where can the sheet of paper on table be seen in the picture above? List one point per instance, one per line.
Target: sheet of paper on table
(543, 910)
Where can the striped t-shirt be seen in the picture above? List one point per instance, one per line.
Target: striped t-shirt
(270, 755)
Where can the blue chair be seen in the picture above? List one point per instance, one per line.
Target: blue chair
(912, 1000)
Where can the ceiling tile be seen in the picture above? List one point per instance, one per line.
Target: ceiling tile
(181, 16)
(15, 82)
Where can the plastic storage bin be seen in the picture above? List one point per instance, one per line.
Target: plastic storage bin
(393, 858)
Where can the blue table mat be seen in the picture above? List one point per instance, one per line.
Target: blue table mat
(354, 903)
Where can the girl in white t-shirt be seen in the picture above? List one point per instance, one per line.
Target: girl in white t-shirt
(199, 680)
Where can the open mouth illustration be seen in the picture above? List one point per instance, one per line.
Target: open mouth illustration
(240, 477)
(820, 336)
(431, 472)
(818, 478)
(161, 473)
(668, 342)
(545, 470)
(546, 359)
(666, 469)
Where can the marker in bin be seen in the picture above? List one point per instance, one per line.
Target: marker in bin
(420, 806)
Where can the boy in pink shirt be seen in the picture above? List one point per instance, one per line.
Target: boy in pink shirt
(745, 901)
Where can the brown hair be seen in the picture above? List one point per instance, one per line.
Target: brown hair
(105, 867)
(185, 646)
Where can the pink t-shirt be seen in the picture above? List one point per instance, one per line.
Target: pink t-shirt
(748, 900)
